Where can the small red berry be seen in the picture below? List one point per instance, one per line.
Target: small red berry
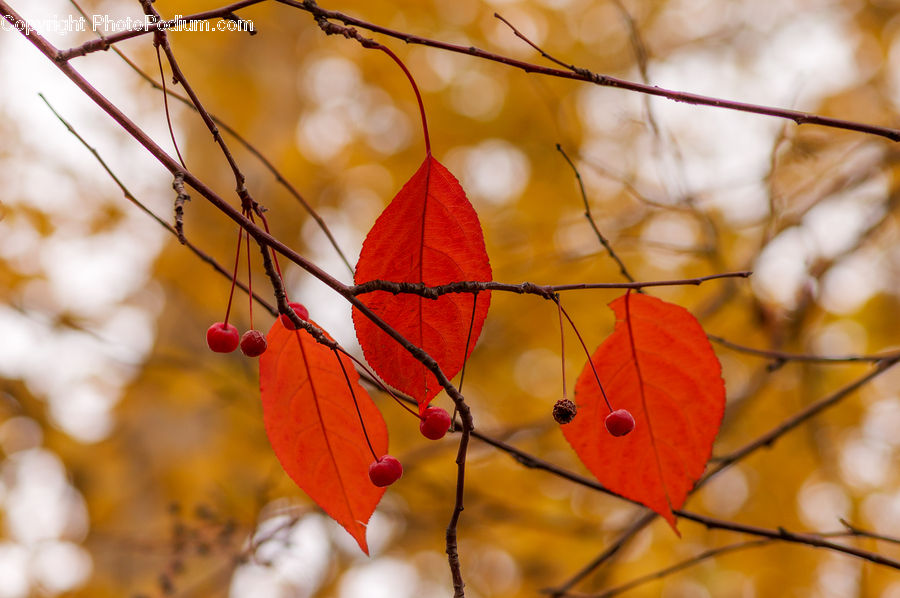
(253, 343)
(222, 338)
(434, 423)
(385, 471)
(298, 308)
(619, 422)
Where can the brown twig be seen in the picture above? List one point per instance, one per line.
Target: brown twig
(716, 552)
(582, 74)
(590, 217)
(259, 235)
(173, 230)
(609, 552)
(769, 438)
(105, 42)
(570, 72)
(526, 288)
(785, 535)
(267, 164)
(765, 440)
(680, 566)
(710, 522)
(181, 198)
(783, 356)
(162, 40)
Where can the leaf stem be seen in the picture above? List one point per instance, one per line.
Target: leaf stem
(415, 87)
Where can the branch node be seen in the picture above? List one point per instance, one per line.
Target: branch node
(180, 199)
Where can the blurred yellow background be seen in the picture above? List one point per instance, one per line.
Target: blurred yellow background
(134, 461)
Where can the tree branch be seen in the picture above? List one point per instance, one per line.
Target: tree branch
(582, 74)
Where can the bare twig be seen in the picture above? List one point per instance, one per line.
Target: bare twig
(526, 288)
(590, 217)
(765, 440)
(582, 74)
(181, 198)
(782, 356)
(173, 230)
(680, 566)
(645, 518)
(261, 236)
(719, 551)
(710, 522)
(162, 40)
(857, 531)
(571, 72)
(105, 42)
(267, 164)
(784, 535)
(792, 422)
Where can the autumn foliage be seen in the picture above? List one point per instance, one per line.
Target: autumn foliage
(429, 234)
(659, 366)
(567, 222)
(310, 413)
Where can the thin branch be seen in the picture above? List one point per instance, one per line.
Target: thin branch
(526, 288)
(582, 74)
(105, 42)
(181, 198)
(782, 356)
(609, 552)
(769, 438)
(267, 164)
(261, 236)
(856, 531)
(570, 72)
(680, 566)
(587, 212)
(162, 40)
(710, 522)
(173, 230)
(452, 526)
(784, 535)
(719, 551)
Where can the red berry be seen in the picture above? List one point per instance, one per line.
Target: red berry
(222, 338)
(385, 471)
(619, 422)
(434, 423)
(299, 310)
(253, 343)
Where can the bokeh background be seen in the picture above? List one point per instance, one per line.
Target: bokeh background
(133, 461)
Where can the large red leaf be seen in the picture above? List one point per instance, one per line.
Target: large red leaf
(659, 365)
(428, 233)
(314, 429)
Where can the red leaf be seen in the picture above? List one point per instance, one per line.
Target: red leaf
(429, 233)
(670, 380)
(314, 429)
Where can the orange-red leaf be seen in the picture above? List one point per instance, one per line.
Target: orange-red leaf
(428, 233)
(314, 429)
(659, 365)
